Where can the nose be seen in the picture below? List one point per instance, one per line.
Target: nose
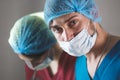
(67, 35)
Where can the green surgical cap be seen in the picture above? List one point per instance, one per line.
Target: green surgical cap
(57, 8)
(30, 35)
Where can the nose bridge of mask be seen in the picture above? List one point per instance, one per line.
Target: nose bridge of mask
(82, 33)
(79, 35)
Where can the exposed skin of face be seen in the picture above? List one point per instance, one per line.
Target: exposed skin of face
(66, 27)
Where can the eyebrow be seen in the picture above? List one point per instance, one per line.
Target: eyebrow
(70, 18)
(55, 26)
(64, 21)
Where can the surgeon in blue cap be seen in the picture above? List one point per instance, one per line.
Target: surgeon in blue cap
(34, 43)
(76, 26)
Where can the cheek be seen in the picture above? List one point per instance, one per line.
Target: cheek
(58, 37)
(77, 29)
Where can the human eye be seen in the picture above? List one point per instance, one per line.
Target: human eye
(56, 29)
(72, 23)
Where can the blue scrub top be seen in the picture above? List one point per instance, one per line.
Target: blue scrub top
(109, 68)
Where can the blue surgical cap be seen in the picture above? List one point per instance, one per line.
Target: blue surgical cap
(30, 35)
(57, 8)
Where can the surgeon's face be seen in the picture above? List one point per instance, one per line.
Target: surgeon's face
(38, 59)
(68, 26)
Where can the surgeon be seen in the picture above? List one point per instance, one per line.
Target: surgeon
(76, 26)
(33, 42)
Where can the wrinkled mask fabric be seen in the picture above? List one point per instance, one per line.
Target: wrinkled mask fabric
(80, 44)
(42, 65)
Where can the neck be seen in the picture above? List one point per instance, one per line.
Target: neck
(97, 53)
(102, 38)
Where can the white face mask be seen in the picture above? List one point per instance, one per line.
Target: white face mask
(80, 44)
(43, 65)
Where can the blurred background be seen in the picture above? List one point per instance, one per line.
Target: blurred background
(11, 67)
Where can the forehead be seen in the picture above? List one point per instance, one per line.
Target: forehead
(62, 19)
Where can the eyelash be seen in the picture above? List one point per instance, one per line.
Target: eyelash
(57, 30)
(72, 23)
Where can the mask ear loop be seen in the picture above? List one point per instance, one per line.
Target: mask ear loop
(88, 24)
(34, 75)
(93, 28)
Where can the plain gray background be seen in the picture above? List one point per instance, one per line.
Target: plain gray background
(11, 67)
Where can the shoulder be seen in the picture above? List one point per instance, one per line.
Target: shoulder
(115, 38)
(114, 41)
(115, 48)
